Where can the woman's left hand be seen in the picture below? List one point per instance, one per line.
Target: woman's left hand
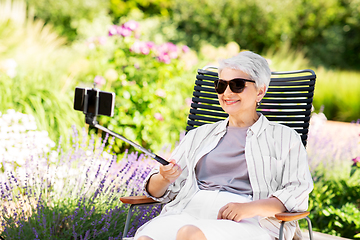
(236, 211)
(264, 208)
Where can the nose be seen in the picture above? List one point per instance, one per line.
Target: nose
(228, 90)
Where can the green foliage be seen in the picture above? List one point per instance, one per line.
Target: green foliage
(121, 8)
(328, 31)
(67, 15)
(39, 76)
(52, 109)
(335, 203)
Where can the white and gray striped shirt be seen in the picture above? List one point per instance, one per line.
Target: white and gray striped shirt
(276, 160)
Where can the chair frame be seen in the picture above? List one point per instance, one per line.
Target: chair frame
(287, 101)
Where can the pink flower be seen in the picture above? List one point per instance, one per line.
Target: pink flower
(102, 40)
(185, 49)
(123, 31)
(113, 30)
(164, 57)
(173, 55)
(144, 50)
(140, 47)
(188, 101)
(150, 45)
(131, 25)
(160, 93)
(159, 117)
(167, 47)
(356, 161)
(99, 80)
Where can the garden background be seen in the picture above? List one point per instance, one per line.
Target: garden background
(61, 180)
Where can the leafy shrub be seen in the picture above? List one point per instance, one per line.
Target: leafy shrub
(335, 204)
(121, 8)
(151, 84)
(335, 201)
(322, 29)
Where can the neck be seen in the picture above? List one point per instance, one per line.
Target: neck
(244, 120)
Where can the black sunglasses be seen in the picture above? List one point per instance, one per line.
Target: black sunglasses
(237, 85)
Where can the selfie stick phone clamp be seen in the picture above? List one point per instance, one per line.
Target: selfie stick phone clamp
(90, 118)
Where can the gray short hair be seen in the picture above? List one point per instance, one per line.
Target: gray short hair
(251, 63)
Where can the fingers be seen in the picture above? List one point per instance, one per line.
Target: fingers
(221, 211)
(171, 171)
(229, 212)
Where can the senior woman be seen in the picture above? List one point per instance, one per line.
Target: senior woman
(228, 179)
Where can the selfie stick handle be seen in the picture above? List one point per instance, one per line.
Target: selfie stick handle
(147, 152)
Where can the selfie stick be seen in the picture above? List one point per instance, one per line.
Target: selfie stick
(90, 119)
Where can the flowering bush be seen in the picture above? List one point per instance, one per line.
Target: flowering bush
(20, 141)
(76, 197)
(334, 203)
(151, 83)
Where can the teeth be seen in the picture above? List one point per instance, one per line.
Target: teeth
(230, 101)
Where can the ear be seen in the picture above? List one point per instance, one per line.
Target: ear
(261, 93)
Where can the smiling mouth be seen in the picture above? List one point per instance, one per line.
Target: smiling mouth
(231, 102)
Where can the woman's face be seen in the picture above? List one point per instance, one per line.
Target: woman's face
(239, 103)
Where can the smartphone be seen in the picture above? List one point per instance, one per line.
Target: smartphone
(93, 97)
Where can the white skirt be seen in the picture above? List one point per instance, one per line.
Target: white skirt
(202, 212)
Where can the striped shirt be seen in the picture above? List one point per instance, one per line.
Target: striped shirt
(276, 161)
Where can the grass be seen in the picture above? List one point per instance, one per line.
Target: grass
(336, 91)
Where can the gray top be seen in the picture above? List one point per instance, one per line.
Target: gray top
(224, 168)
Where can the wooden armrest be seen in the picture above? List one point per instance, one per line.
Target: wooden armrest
(293, 216)
(137, 200)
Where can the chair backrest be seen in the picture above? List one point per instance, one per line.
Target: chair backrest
(288, 100)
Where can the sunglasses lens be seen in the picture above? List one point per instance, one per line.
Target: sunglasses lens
(237, 85)
(220, 86)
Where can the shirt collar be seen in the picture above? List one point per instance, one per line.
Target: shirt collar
(257, 128)
(260, 125)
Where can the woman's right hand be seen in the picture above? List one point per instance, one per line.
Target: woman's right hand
(170, 172)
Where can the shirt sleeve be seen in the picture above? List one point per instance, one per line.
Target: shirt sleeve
(180, 155)
(296, 181)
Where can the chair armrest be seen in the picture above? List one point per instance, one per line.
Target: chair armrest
(137, 200)
(291, 216)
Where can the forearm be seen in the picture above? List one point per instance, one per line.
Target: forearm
(157, 185)
(267, 207)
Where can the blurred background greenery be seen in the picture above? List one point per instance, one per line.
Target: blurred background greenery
(47, 48)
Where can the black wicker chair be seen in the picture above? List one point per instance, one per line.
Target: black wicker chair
(288, 101)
